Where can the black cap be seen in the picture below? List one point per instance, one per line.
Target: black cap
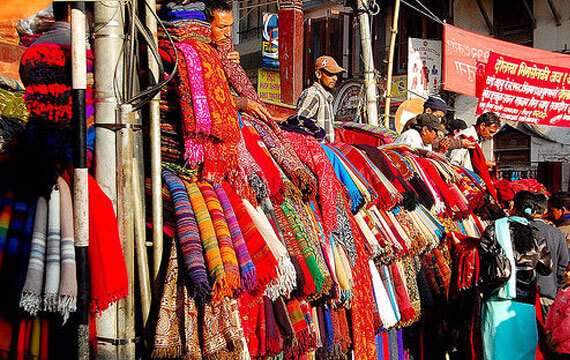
(430, 121)
(435, 103)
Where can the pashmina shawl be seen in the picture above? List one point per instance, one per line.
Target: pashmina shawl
(252, 313)
(237, 77)
(283, 320)
(107, 268)
(188, 236)
(223, 235)
(53, 257)
(274, 343)
(329, 188)
(262, 257)
(301, 343)
(5, 218)
(68, 278)
(286, 275)
(221, 331)
(176, 333)
(280, 148)
(479, 163)
(247, 268)
(32, 293)
(210, 244)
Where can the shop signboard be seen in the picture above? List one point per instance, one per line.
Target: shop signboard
(269, 85)
(526, 91)
(424, 67)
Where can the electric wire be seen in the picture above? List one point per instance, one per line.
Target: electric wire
(437, 20)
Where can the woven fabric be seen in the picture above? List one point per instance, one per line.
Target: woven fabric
(68, 277)
(237, 77)
(287, 158)
(222, 332)
(53, 257)
(210, 245)
(262, 257)
(227, 252)
(5, 218)
(188, 236)
(247, 268)
(32, 292)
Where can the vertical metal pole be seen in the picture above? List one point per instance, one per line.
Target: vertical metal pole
(80, 190)
(155, 161)
(125, 215)
(369, 76)
(109, 35)
(393, 33)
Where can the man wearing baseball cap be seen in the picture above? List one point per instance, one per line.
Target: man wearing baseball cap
(422, 134)
(315, 102)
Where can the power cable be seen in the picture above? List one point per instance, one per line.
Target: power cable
(436, 19)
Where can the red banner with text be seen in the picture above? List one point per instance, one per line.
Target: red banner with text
(522, 90)
(462, 50)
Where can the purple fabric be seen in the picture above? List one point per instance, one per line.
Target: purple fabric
(196, 80)
(400, 345)
(247, 268)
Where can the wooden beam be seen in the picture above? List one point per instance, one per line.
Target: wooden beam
(291, 50)
(555, 12)
(486, 17)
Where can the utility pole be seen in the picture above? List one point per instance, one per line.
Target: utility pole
(369, 75)
(109, 36)
(80, 174)
(393, 33)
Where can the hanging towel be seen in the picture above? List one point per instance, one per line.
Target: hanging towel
(53, 258)
(68, 276)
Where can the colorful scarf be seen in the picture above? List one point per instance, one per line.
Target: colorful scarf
(286, 275)
(247, 268)
(107, 268)
(176, 332)
(287, 158)
(53, 255)
(479, 163)
(262, 257)
(223, 235)
(210, 245)
(68, 278)
(188, 236)
(201, 126)
(237, 77)
(221, 331)
(274, 343)
(32, 293)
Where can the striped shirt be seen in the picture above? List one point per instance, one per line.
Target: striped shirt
(315, 103)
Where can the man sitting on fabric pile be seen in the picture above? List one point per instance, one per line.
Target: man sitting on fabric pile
(219, 14)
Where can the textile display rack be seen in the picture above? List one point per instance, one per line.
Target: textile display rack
(285, 247)
(277, 246)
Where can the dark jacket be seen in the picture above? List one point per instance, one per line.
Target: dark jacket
(530, 252)
(556, 242)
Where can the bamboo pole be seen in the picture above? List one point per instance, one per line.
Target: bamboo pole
(80, 189)
(393, 33)
(140, 245)
(108, 34)
(125, 215)
(369, 76)
(155, 161)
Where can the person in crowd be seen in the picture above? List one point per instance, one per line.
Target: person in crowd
(60, 31)
(512, 252)
(559, 209)
(556, 242)
(436, 106)
(315, 102)
(422, 135)
(485, 128)
(219, 13)
(558, 322)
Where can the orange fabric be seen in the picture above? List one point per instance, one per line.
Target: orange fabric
(16, 9)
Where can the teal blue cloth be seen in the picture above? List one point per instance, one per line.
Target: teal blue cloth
(509, 330)
(503, 237)
(391, 292)
(356, 198)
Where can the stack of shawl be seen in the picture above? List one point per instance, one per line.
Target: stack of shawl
(52, 257)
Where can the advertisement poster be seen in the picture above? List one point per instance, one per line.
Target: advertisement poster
(270, 42)
(424, 67)
(462, 50)
(400, 88)
(269, 85)
(521, 90)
